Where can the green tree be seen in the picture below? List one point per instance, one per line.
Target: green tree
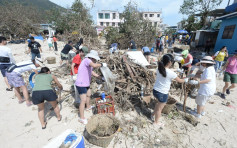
(191, 23)
(203, 7)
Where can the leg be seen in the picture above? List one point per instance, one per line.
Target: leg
(41, 114)
(6, 81)
(159, 107)
(82, 105)
(232, 86)
(225, 87)
(88, 98)
(25, 94)
(200, 109)
(18, 93)
(56, 109)
(149, 59)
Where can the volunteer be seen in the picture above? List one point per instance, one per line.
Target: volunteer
(43, 91)
(230, 74)
(34, 48)
(84, 79)
(147, 53)
(65, 51)
(6, 59)
(207, 85)
(55, 43)
(161, 88)
(16, 80)
(188, 59)
(219, 57)
(50, 42)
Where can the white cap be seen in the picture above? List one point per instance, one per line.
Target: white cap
(93, 54)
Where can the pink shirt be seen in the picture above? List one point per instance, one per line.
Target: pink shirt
(84, 73)
(232, 66)
(187, 60)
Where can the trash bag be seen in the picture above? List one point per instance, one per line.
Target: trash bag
(109, 79)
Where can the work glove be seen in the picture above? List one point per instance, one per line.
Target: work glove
(191, 75)
(186, 80)
(103, 65)
(193, 82)
(74, 77)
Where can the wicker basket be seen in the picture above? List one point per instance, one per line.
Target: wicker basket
(51, 60)
(169, 105)
(100, 120)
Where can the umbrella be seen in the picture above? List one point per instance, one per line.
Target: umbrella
(182, 31)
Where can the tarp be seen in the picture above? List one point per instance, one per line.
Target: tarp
(138, 58)
(182, 31)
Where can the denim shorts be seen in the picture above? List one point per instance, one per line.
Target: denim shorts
(82, 90)
(163, 98)
(34, 55)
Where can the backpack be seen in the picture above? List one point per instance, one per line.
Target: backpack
(11, 67)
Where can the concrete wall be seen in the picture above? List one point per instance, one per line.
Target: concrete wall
(231, 44)
(111, 20)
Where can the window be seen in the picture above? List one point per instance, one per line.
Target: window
(120, 15)
(107, 23)
(101, 15)
(145, 15)
(158, 15)
(155, 24)
(151, 15)
(113, 24)
(119, 24)
(107, 16)
(228, 32)
(101, 24)
(114, 15)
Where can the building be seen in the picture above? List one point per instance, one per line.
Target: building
(109, 18)
(47, 29)
(227, 35)
(153, 17)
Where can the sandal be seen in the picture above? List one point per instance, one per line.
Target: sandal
(83, 121)
(29, 104)
(9, 89)
(20, 102)
(44, 126)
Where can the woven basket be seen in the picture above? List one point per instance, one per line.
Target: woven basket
(100, 120)
(169, 105)
(51, 60)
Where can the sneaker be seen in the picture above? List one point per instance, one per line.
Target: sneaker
(83, 121)
(223, 96)
(203, 113)
(196, 114)
(228, 91)
(152, 117)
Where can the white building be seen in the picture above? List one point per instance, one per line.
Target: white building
(109, 18)
(153, 17)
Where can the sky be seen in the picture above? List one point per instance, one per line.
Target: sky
(169, 8)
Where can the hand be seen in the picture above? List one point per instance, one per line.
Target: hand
(74, 77)
(103, 65)
(193, 82)
(186, 80)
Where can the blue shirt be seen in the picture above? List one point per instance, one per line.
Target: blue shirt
(145, 49)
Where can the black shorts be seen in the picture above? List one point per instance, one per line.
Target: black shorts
(3, 69)
(147, 53)
(42, 95)
(82, 90)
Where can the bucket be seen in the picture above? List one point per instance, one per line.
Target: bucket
(101, 129)
(169, 105)
(51, 60)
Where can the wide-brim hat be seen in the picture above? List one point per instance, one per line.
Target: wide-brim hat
(208, 59)
(93, 54)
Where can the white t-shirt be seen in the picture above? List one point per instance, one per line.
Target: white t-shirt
(208, 89)
(23, 69)
(162, 84)
(200, 67)
(6, 52)
(49, 40)
(180, 37)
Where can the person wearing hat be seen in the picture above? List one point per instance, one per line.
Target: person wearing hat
(188, 59)
(16, 80)
(84, 79)
(230, 75)
(80, 54)
(207, 85)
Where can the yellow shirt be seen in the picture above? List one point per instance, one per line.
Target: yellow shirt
(220, 56)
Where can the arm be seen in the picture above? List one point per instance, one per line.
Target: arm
(227, 53)
(40, 49)
(95, 74)
(12, 60)
(35, 70)
(57, 82)
(224, 67)
(179, 80)
(204, 81)
(29, 50)
(72, 67)
(95, 65)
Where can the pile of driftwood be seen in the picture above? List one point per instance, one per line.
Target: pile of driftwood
(132, 80)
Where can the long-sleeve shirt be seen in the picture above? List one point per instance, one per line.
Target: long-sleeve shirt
(6, 52)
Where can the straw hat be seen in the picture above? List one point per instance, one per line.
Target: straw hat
(208, 59)
(93, 54)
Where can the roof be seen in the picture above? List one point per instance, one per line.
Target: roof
(215, 13)
(206, 31)
(234, 14)
(231, 8)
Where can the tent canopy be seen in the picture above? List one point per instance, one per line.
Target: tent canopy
(182, 31)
